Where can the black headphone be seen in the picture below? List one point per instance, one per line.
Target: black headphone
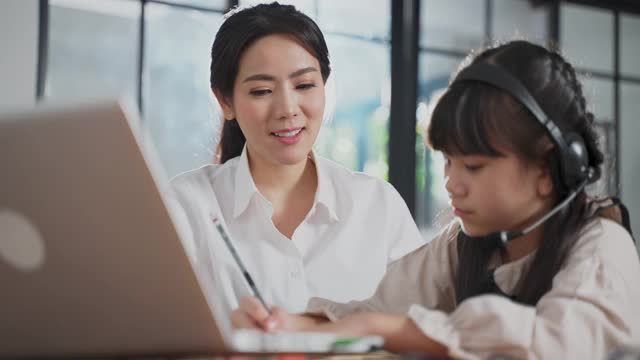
(569, 162)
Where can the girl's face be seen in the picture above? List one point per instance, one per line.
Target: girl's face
(278, 100)
(490, 194)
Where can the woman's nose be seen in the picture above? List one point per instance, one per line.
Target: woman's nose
(286, 106)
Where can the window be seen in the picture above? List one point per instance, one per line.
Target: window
(629, 164)
(630, 46)
(96, 49)
(629, 110)
(365, 18)
(356, 134)
(180, 113)
(93, 48)
(518, 19)
(431, 198)
(452, 25)
(578, 23)
(218, 5)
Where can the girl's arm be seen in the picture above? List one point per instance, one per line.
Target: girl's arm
(399, 332)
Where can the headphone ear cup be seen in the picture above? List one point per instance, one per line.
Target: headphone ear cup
(576, 162)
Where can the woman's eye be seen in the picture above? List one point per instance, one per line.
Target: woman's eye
(260, 92)
(306, 86)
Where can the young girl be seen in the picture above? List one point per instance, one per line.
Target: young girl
(531, 268)
(298, 221)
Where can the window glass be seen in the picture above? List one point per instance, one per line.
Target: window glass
(431, 197)
(630, 148)
(630, 45)
(520, 19)
(220, 5)
(355, 134)
(180, 114)
(367, 18)
(452, 25)
(586, 37)
(599, 95)
(93, 49)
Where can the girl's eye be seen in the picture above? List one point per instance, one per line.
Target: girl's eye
(306, 86)
(260, 92)
(473, 168)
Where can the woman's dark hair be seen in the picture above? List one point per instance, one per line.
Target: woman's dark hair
(476, 118)
(236, 34)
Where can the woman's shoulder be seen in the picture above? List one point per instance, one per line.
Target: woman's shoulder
(204, 175)
(349, 180)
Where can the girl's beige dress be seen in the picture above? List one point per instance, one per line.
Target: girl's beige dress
(592, 308)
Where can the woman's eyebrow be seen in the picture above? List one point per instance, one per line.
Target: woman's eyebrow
(266, 77)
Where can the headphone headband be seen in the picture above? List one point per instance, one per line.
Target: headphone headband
(573, 157)
(497, 77)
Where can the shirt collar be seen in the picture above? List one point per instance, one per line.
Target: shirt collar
(325, 194)
(246, 188)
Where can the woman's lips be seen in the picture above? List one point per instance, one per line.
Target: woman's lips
(288, 136)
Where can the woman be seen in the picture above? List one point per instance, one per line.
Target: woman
(300, 222)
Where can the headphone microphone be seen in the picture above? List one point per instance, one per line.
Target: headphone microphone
(501, 238)
(569, 161)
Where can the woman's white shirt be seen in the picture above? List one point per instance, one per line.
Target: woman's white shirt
(356, 227)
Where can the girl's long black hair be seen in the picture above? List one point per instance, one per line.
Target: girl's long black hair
(473, 117)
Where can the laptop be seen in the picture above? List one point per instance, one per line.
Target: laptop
(91, 264)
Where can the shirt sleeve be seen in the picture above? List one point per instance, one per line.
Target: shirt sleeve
(589, 311)
(189, 203)
(424, 276)
(181, 223)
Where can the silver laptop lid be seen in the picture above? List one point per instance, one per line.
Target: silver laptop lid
(90, 262)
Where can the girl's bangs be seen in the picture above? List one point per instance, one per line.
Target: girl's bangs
(464, 121)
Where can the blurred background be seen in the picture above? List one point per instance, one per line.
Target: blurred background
(390, 60)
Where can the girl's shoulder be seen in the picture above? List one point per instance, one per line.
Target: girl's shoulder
(445, 243)
(606, 240)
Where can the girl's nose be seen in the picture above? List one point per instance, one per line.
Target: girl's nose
(454, 186)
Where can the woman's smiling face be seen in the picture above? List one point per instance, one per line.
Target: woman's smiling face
(278, 100)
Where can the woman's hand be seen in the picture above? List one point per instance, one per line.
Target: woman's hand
(251, 314)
